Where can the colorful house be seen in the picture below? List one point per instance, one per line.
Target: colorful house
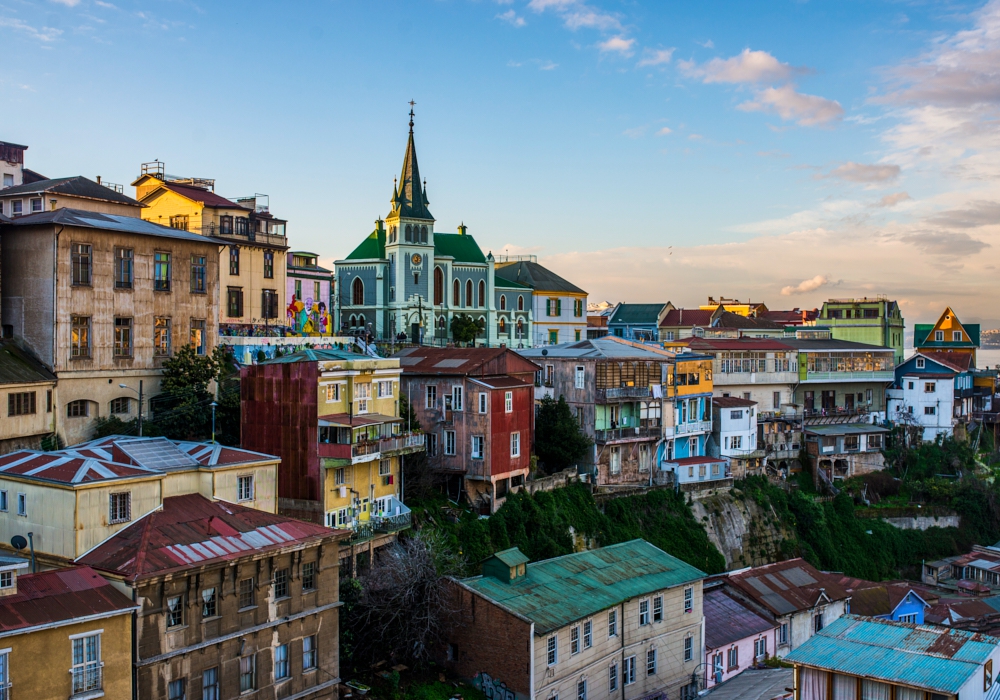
(636, 321)
(308, 294)
(935, 392)
(736, 637)
(687, 424)
(949, 334)
(734, 435)
(559, 307)
(898, 603)
(874, 321)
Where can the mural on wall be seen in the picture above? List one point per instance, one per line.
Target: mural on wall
(309, 317)
(492, 688)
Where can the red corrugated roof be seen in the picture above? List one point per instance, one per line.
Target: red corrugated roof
(462, 361)
(191, 530)
(209, 199)
(740, 344)
(503, 382)
(787, 586)
(728, 621)
(959, 361)
(61, 595)
(732, 402)
(688, 317)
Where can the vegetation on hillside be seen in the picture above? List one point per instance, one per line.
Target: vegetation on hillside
(559, 442)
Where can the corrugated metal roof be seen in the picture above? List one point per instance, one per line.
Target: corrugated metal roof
(607, 347)
(844, 429)
(110, 222)
(19, 366)
(76, 186)
(936, 659)
(463, 361)
(645, 314)
(535, 276)
(787, 586)
(557, 591)
(192, 530)
(314, 355)
(512, 556)
(727, 620)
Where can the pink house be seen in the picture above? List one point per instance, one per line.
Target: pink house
(735, 637)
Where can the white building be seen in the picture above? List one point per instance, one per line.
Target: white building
(925, 390)
(559, 310)
(734, 434)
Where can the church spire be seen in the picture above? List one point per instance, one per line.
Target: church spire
(410, 200)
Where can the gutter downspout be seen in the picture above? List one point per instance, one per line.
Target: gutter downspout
(135, 649)
(531, 661)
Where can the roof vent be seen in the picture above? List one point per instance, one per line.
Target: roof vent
(508, 566)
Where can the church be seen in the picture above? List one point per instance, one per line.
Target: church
(405, 278)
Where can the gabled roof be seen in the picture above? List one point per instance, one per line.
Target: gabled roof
(921, 656)
(473, 362)
(109, 222)
(460, 246)
(19, 366)
(533, 275)
(512, 556)
(687, 318)
(633, 314)
(371, 248)
(503, 283)
(728, 319)
(190, 531)
(787, 586)
(558, 591)
(77, 186)
(880, 600)
(198, 194)
(727, 620)
(789, 318)
(732, 402)
(60, 597)
(958, 361)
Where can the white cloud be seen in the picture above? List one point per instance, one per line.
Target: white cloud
(862, 172)
(67, 3)
(43, 34)
(664, 131)
(805, 110)
(891, 200)
(512, 18)
(657, 57)
(706, 44)
(106, 5)
(747, 67)
(617, 44)
(809, 285)
(542, 5)
(577, 15)
(547, 65)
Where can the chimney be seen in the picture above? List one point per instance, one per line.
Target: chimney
(98, 179)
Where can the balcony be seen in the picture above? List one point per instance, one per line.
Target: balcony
(395, 518)
(357, 453)
(627, 434)
(402, 444)
(876, 376)
(700, 426)
(87, 681)
(625, 393)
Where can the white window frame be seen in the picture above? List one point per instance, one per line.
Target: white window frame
(241, 487)
(6, 579)
(5, 671)
(613, 678)
(688, 599)
(783, 633)
(309, 656)
(939, 336)
(449, 442)
(588, 634)
(484, 403)
(552, 651)
(658, 608)
(580, 377)
(332, 393)
(956, 336)
(629, 670)
(81, 672)
(615, 460)
(574, 640)
(581, 689)
(3, 501)
(688, 648)
(921, 363)
(385, 467)
(478, 445)
(643, 612)
(456, 398)
(651, 662)
(430, 396)
(285, 662)
(612, 623)
(119, 514)
(515, 444)
(508, 402)
(22, 504)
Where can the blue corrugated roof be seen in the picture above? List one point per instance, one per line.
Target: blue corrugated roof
(558, 591)
(932, 658)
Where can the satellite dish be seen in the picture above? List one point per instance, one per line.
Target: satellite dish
(544, 352)
(18, 542)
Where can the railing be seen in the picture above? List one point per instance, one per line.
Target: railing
(873, 376)
(365, 449)
(701, 426)
(402, 442)
(87, 679)
(602, 436)
(627, 392)
(836, 411)
(392, 523)
(362, 533)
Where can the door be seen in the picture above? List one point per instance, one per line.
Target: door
(809, 401)
(829, 400)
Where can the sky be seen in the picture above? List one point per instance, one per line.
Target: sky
(786, 151)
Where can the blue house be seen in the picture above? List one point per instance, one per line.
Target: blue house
(640, 322)
(888, 602)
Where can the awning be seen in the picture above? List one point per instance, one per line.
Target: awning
(345, 420)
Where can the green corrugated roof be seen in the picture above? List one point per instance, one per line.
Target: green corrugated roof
(558, 591)
(501, 283)
(372, 248)
(462, 247)
(512, 557)
(637, 313)
(922, 332)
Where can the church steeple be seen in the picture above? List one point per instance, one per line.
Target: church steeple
(410, 199)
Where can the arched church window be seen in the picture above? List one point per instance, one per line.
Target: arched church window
(438, 286)
(482, 294)
(423, 234)
(354, 321)
(502, 326)
(468, 293)
(361, 320)
(409, 233)
(503, 302)
(357, 292)
(441, 322)
(520, 328)
(520, 303)
(455, 294)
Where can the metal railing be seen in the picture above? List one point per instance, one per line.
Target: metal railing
(363, 449)
(637, 433)
(627, 392)
(700, 426)
(402, 442)
(87, 678)
(392, 523)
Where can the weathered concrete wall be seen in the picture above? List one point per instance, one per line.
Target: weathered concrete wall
(923, 522)
(744, 532)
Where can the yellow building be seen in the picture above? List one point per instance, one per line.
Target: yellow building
(27, 389)
(948, 335)
(74, 499)
(743, 308)
(253, 244)
(65, 633)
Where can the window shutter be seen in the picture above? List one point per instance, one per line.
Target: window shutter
(558, 307)
(548, 307)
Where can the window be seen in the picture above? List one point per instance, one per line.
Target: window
(688, 648)
(175, 611)
(588, 634)
(930, 387)
(22, 504)
(6, 581)
(269, 266)
(508, 402)
(484, 402)
(629, 670)
(340, 476)
(309, 653)
(553, 337)
(477, 446)
(198, 336)
(875, 441)
(309, 576)
(198, 274)
(161, 337)
(783, 633)
(357, 292)
(120, 507)
(921, 363)
(123, 268)
(210, 684)
(581, 690)
(179, 222)
(651, 662)
(269, 303)
(939, 336)
(161, 272)
(481, 299)
(36, 204)
(615, 460)
(242, 226)
(852, 442)
(456, 398)
(930, 410)
(248, 673)
(818, 622)
(209, 604)
(734, 658)
(432, 444)
(449, 442)
(281, 669)
(81, 260)
(175, 690)
(244, 488)
(21, 403)
(552, 650)
(431, 397)
(760, 648)
(578, 307)
(643, 612)
(468, 293)
(123, 337)
(737, 442)
(688, 600)
(78, 409)
(515, 444)
(332, 392)
(79, 336)
(956, 336)
(574, 640)
(16, 207)
(86, 670)
(3, 501)
(384, 467)
(612, 623)
(579, 377)
(910, 619)
(234, 260)
(384, 389)
(657, 608)
(246, 593)
(736, 415)
(612, 678)
(281, 583)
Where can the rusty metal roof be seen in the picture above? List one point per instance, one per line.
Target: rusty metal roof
(732, 402)
(60, 595)
(727, 620)
(787, 586)
(463, 361)
(921, 656)
(192, 530)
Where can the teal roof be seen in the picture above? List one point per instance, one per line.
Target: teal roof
(311, 355)
(922, 339)
(512, 557)
(633, 314)
(558, 591)
(933, 658)
(501, 283)
(462, 247)
(372, 248)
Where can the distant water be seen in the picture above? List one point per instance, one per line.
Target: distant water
(985, 357)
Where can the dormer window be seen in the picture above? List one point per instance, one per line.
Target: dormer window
(939, 336)
(6, 579)
(921, 363)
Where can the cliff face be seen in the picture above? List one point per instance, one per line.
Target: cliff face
(744, 532)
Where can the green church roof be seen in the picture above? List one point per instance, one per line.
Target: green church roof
(372, 248)
(462, 247)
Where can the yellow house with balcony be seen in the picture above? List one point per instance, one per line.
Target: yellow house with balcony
(253, 243)
(687, 422)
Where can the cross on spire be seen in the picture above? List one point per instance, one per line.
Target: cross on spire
(412, 105)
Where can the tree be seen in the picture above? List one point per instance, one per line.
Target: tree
(559, 442)
(464, 328)
(182, 410)
(402, 602)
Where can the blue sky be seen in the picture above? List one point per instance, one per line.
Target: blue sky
(788, 151)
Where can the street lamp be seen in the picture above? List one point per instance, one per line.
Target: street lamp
(126, 386)
(213, 405)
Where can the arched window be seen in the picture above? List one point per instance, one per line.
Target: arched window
(354, 321)
(481, 322)
(423, 234)
(520, 328)
(469, 301)
(441, 323)
(502, 326)
(361, 320)
(438, 286)
(503, 302)
(409, 233)
(520, 303)
(357, 292)
(456, 294)
(482, 294)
